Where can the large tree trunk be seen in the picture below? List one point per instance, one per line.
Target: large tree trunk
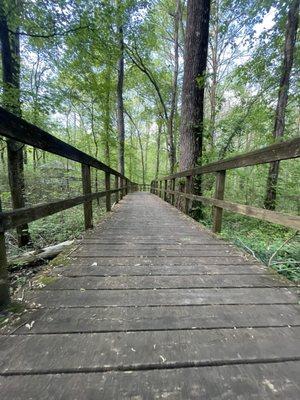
(192, 110)
(120, 104)
(289, 46)
(195, 59)
(10, 52)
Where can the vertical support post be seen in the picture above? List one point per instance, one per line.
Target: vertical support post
(108, 194)
(4, 284)
(165, 189)
(188, 187)
(173, 188)
(219, 194)
(117, 187)
(87, 189)
(160, 189)
(126, 188)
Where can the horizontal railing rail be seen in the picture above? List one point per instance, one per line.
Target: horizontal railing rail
(277, 152)
(17, 129)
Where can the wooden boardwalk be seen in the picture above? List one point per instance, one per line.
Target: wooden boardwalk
(153, 307)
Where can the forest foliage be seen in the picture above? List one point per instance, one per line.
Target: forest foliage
(70, 52)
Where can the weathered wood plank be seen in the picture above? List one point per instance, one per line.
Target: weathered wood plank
(138, 269)
(167, 282)
(133, 298)
(68, 320)
(288, 220)
(18, 129)
(12, 219)
(138, 350)
(278, 381)
(276, 152)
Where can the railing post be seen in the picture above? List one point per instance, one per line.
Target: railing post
(165, 189)
(117, 187)
(4, 285)
(219, 194)
(126, 186)
(173, 194)
(87, 189)
(160, 189)
(108, 194)
(188, 187)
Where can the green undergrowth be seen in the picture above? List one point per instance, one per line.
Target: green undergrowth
(271, 244)
(54, 229)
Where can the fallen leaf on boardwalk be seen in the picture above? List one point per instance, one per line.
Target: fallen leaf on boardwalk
(29, 326)
(94, 264)
(82, 289)
(163, 358)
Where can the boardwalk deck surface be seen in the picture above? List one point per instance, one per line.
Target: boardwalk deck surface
(153, 307)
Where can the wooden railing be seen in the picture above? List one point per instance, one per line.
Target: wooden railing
(20, 130)
(277, 152)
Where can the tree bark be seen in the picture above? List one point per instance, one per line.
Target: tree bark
(120, 103)
(158, 140)
(195, 60)
(170, 122)
(278, 132)
(10, 52)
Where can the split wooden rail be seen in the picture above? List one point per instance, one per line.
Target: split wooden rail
(20, 130)
(277, 152)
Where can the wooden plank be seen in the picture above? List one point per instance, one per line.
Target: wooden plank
(288, 220)
(219, 194)
(270, 381)
(276, 152)
(108, 319)
(188, 189)
(87, 190)
(134, 298)
(107, 189)
(12, 219)
(117, 188)
(94, 268)
(18, 129)
(139, 350)
(166, 282)
(132, 252)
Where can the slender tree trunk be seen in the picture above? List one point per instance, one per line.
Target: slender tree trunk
(107, 125)
(10, 52)
(170, 122)
(278, 132)
(120, 104)
(158, 140)
(214, 44)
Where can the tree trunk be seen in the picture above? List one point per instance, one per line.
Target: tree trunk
(195, 59)
(214, 49)
(107, 126)
(192, 110)
(278, 132)
(170, 122)
(120, 104)
(10, 52)
(158, 140)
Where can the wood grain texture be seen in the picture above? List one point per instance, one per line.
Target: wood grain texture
(151, 306)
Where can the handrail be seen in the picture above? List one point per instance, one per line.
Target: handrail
(279, 151)
(15, 128)
(22, 131)
(276, 152)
